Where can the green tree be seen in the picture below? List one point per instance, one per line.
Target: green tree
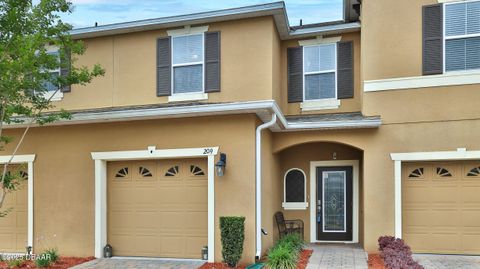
(28, 32)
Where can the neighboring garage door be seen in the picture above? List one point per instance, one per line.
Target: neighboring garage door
(158, 208)
(441, 207)
(13, 227)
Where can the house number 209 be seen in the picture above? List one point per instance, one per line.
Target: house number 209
(207, 151)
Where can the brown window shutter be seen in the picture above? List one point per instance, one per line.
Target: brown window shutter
(432, 24)
(212, 62)
(164, 66)
(295, 74)
(345, 70)
(65, 69)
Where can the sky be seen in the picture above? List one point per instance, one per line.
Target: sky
(87, 12)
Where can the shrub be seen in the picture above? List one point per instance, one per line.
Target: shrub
(294, 239)
(232, 236)
(53, 252)
(396, 254)
(282, 256)
(15, 263)
(43, 260)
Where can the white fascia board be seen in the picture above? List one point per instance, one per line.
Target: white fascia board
(326, 30)
(459, 154)
(17, 159)
(154, 154)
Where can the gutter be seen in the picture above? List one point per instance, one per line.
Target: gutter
(258, 183)
(261, 108)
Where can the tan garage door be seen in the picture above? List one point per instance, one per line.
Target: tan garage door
(13, 227)
(158, 208)
(441, 207)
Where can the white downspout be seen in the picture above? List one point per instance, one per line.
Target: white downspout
(258, 183)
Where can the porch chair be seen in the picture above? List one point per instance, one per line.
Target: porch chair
(288, 226)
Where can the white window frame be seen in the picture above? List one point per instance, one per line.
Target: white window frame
(304, 74)
(294, 205)
(188, 95)
(54, 95)
(445, 38)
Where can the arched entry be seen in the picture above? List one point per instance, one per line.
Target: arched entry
(333, 182)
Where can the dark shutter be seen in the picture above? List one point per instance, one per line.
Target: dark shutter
(164, 66)
(212, 62)
(432, 24)
(65, 69)
(345, 70)
(295, 74)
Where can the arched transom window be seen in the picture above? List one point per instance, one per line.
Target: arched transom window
(295, 190)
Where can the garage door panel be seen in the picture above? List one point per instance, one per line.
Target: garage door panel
(441, 207)
(162, 215)
(7, 242)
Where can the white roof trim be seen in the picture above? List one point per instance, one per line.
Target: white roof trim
(459, 154)
(263, 109)
(276, 9)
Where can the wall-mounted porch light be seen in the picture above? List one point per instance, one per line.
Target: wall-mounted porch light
(220, 165)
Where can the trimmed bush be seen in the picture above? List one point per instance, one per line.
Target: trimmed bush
(396, 254)
(232, 236)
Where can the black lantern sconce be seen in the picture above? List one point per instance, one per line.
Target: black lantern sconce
(220, 165)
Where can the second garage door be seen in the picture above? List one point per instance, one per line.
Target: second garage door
(441, 207)
(158, 208)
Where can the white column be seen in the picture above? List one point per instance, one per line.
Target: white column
(211, 208)
(398, 199)
(100, 207)
(30, 205)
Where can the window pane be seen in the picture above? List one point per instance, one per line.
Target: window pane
(187, 49)
(327, 57)
(473, 53)
(49, 86)
(188, 79)
(311, 59)
(455, 55)
(295, 186)
(320, 86)
(473, 18)
(462, 54)
(455, 19)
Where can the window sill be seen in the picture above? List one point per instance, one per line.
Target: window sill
(182, 97)
(53, 96)
(453, 78)
(320, 104)
(294, 206)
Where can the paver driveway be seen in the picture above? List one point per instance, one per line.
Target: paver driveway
(431, 261)
(119, 263)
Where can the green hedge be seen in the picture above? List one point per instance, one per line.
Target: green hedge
(233, 233)
(284, 254)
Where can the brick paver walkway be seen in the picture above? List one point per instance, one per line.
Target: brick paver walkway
(119, 263)
(337, 256)
(430, 261)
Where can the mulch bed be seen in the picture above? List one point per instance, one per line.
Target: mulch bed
(301, 263)
(62, 263)
(375, 262)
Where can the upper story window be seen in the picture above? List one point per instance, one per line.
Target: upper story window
(462, 36)
(51, 87)
(320, 72)
(188, 63)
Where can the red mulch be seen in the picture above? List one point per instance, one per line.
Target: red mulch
(303, 259)
(301, 264)
(62, 263)
(375, 262)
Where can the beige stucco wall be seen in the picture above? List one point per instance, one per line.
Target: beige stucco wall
(378, 170)
(347, 105)
(300, 157)
(64, 173)
(392, 38)
(130, 64)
